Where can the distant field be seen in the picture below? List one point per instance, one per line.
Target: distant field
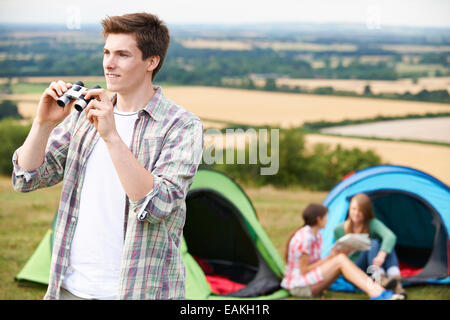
(303, 46)
(275, 45)
(288, 109)
(409, 48)
(430, 69)
(376, 86)
(27, 109)
(437, 129)
(53, 78)
(431, 159)
(218, 105)
(272, 108)
(39, 84)
(217, 44)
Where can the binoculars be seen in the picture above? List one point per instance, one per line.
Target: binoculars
(75, 92)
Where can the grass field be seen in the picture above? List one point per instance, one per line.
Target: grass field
(25, 218)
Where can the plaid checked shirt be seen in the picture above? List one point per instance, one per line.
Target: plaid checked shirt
(167, 141)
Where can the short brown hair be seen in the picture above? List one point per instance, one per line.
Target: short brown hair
(310, 215)
(312, 212)
(152, 35)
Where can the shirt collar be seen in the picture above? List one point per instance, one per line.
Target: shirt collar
(152, 108)
(309, 230)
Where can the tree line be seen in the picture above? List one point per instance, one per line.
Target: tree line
(440, 95)
(47, 56)
(318, 169)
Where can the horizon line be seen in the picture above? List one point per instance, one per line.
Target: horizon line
(235, 24)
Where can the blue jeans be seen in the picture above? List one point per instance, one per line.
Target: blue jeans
(366, 257)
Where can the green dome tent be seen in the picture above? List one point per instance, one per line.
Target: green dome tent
(222, 238)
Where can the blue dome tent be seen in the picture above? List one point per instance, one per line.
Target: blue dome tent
(414, 205)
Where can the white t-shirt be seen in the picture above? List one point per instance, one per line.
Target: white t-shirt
(96, 252)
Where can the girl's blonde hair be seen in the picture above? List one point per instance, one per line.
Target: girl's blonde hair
(365, 205)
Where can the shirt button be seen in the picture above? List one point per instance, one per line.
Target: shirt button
(67, 247)
(74, 219)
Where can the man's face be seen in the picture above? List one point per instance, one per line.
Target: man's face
(122, 63)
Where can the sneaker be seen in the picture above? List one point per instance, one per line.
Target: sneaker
(402, 296)
(399, 290)
(388, 295)
(389, 283)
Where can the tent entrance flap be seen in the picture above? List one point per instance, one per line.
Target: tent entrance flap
(421, 237)
(217, 236)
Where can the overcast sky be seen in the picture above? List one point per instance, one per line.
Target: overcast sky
(383, 12)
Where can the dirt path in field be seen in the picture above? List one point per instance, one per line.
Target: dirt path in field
(437, 129)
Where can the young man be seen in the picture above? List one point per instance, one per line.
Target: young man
(126, 166)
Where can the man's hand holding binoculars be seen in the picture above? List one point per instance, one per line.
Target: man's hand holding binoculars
(57, 101)
(49, 113)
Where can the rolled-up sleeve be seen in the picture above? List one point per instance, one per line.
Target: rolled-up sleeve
(173, 173)
(388, 238)
(52, 169)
